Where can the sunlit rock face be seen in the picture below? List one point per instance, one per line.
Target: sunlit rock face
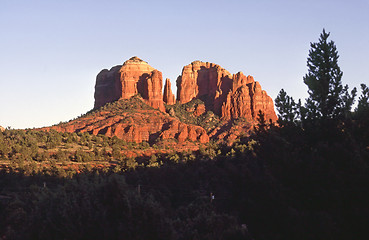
(204, 80)
(168, 97)
(246, 99)
(229, 96)
(147, 125)
(135, 76)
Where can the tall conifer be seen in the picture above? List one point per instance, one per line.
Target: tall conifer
(326, 93)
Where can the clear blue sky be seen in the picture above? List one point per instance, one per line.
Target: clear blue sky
(51, 51)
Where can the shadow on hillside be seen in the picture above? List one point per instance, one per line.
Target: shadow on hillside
(171, 202)
(234, 196)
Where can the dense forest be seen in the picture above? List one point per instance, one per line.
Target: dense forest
(304, 177)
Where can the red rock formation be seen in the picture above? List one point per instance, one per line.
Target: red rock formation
(135, 126)
(200, 109)
(107, 88)
(228, 96)
(168, 97)
(245, 99)
(153, 90)
(238, 104)
(183, 132)
(204, 79)
(232, 96)
(133, 77)
(263, 102)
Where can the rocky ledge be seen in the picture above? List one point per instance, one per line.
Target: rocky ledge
(228, 96)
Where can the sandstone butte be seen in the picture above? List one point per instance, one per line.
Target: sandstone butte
(124, 81)
(228, 96)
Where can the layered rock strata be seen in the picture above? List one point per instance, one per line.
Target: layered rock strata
(230, 96)
(124, 81)
(204, 80)
(138, 126)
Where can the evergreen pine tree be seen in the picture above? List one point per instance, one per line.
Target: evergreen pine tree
(362, 109)
(286, 107)
(328, 99)
(262, 124)
(362, 116)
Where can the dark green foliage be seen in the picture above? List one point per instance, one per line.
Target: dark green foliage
(361, 117)
(124, 105)
(304, 179)
(328, 107)
(93, 208)
(323, 175)
(319, 154)
(362, 110)
(61, 156)
(19, 149)
(82, 156)
(288, 109)
(184, 112)
(327, 97)
(262, 124)
(278, 184)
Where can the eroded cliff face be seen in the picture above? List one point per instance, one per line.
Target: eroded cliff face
(135, 76)
(204, 80)
(229, 96)
(152, 90)
(246, 99)
(168, 97)
(142, 124)
(108, 86)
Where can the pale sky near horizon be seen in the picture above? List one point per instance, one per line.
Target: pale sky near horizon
(51, 51)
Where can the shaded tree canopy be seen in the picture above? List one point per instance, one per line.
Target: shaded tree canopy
(328, 98)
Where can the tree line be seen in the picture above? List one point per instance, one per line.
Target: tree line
(305, 177)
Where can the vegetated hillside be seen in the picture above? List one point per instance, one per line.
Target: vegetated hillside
(304, 178)
(277, 184)
(212, 105)
(133, 120)
(185, 126)
(220, 131)
(283, 182)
